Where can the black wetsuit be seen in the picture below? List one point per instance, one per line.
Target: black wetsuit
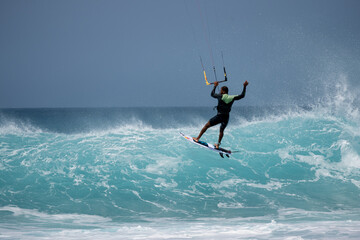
(223, 108)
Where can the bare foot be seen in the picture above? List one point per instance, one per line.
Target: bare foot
(216, 145)
(196, 139)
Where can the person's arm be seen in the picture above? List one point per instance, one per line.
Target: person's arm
(213, 94)
(242, 95)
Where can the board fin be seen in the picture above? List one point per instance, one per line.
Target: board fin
(222, 155)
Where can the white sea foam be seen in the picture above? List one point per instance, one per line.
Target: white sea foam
(199, 229)
(162, 183)
(268, 186)
(348, 164)
(37, 216)
(163, 165)
(350, 158)
(17, 127)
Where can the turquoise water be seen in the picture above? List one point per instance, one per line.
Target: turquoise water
(125, 173)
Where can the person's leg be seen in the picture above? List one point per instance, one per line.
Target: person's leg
(222, 128)
(221, 134)
(203, 130)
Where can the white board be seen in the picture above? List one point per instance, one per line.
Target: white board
(209, 146)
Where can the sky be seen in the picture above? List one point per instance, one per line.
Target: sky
(142, 53)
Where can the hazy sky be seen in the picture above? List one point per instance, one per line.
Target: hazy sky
(88, 53)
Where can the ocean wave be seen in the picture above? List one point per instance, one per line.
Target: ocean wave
(131, 163)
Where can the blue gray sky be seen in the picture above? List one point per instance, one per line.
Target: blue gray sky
(129, 53)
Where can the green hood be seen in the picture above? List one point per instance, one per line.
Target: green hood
(227, 98)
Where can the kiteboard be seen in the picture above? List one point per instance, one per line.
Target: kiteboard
(209, 146)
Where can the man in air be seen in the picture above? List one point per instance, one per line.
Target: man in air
(225, 103)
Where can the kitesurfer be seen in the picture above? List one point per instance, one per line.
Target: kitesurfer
(225, 102)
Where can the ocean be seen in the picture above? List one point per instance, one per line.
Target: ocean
(126, 173)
